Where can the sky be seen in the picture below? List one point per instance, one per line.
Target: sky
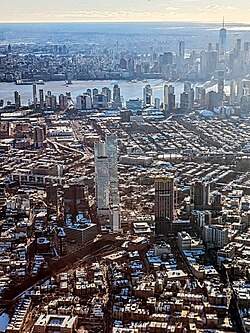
(124, 10)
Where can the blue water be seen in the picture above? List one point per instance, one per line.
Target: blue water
(128, 90)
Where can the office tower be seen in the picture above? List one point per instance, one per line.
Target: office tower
(115, 219)
(39, 136)
(184, 102)
(123, 63)
(89, 92)
(221, 81)
(138, 70)
(102, 190)
(41, 98)
(131, 68)
(239, 90)
(17, 99)
(246, 47)
(53, 102)
(74, 199)
(181, 51)
(111, 151)
(83, 102)
(210, 47)
(204, 65)
(106, 91)
(117, 96)
(106, 180)
(168, 58)
(212, 63)
(200, 195)
(157, 103)
(35, 95)
(114, 198)
(216, 201)
(147, 95)
(232, 92)
(63, 101)
(48, 101)
(238, 46)
(166, 93)
(100, 101)
(169, 98)
(213, 100)
(164, 204)
(95, 91)
(222, 43)
(188, 89)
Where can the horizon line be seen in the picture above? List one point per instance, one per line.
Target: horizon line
(124, 22)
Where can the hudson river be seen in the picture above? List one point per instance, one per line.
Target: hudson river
(128, 89)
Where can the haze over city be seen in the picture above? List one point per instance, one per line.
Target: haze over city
(124, 11)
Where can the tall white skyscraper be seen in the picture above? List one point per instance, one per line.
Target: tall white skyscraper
(106, 180)
(222, 43)
(111, 150)
(101, 178)
(165, 97)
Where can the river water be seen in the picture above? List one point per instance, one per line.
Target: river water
(128, 89)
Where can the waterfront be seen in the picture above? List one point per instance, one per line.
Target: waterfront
(128, 89)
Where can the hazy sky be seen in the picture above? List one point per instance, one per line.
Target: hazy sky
(124, 10)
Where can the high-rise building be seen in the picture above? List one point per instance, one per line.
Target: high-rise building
(233, 92)
(41, 98)
(165, 105)
(148, 95)
(35, 95)
(53, 102)
(106, 91)
(164, 204)
(200, 195)
(95, 91)
(157, 103)
(221, 81)
(190, 92)
(100, 101)
(102, 190)
(106, 179)
(184, 102)
(167, 58)
(222, 43)
(17, 99)
(111, 151)
(74, 199)
(117, 103)
(169, 98)
(238, 46)
(181, 50)
(39, 136)
(83, 102)
(204, 65)
(48, 101)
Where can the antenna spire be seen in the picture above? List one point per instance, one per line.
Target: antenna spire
(223, 22)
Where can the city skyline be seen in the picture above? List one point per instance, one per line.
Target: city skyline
(125, 11)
